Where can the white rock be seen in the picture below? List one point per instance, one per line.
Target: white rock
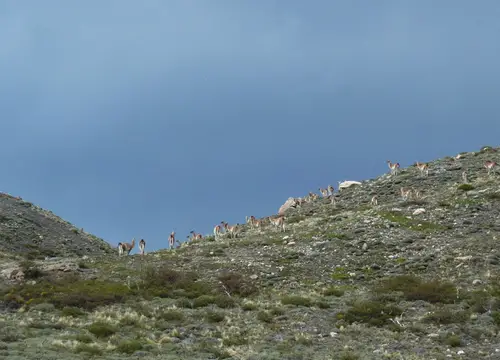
(419, 211)
(347, 183)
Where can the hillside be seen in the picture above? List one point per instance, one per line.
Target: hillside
(28, 230)
(402, 279)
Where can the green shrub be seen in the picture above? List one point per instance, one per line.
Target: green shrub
(69, 292)
(129, 346)
(453, 340)
(184, 303)
(372, 313)
(72, 311)
(446, 316)
(249, 306)
(203, 300)
(31, 270)
(413, 288)
(171, 315)
(167, 282)
(296, 300)
(88, 349)
(333, 291)
(465, 187)
(101, 329)
(214, 316)
(224, 302)
(264, 316)
(496, 317)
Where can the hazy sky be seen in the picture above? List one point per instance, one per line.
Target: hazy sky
(136, 118)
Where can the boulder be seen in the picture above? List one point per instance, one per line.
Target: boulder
(287, 205)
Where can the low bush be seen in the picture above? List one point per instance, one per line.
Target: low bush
(373, 313)
(414, 288)
(68, 292)
(237, 284)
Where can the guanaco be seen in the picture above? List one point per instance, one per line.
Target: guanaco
(393, 167)
(490, 166)
(424, 168)
(171, 240)
(142, 246)
(279, 222)
(127, 247)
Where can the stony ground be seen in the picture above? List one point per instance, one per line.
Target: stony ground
(345, 281)
(34, 232)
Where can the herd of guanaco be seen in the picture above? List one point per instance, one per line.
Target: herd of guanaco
(279, 220)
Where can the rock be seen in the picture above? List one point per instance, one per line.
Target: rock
(14, 273)
(419, 211)
(287, 205)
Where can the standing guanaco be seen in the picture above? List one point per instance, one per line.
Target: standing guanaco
(393, 167)
(142, 246)
(127, 247)
(171, 240)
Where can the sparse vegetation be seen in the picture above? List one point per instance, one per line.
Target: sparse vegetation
(349, 281)
(465, 187)
(414, 288)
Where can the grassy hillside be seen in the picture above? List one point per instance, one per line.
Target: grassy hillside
(346, 281)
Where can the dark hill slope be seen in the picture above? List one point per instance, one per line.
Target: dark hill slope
(28, 230)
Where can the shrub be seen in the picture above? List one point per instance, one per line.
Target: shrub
(496, 317)
(101, 329)
(224, 302)
(264, 316)
(465, 187)
(248, 306)
(129, 346)
(322, 304)
(31, 270)
(296, 300)
(171, 315)
(68, 292)
(237, 284)
(493, 196)
(214, 316)
(88, 349)
(372, 313)
(413, 288)
(446, 316)
(72, 311)
(184, 303)
(453, 340)
(235, 340)
(479, 301)
(202, 301)
(349, 356)
(333, 291)
(167, 282)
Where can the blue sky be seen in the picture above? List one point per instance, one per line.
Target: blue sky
(133, 119)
